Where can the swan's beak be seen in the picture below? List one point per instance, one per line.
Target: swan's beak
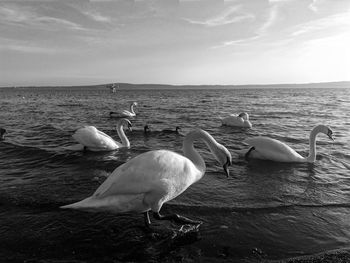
(129, 127)
(225, 166)
(330, 134)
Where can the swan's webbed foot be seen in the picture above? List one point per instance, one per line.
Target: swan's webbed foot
(176, 218)
(246, 156)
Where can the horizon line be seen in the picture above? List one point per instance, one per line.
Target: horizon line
(178, 85)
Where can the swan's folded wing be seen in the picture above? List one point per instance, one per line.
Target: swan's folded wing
(92, 138)
(106, 140)
(87, 136)
(147, 172)
(271, 147)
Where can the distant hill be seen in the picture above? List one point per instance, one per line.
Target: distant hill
(130, 86)
(342, 84)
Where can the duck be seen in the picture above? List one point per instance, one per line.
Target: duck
(94, 140)
(147, 181)
(124, 113)
(2, 134)
(168, 131)
(240, 120)
(266, 148)
(146, 130)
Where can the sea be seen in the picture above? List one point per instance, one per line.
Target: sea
(263, 211)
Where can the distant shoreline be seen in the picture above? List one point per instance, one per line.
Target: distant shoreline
(129, 86)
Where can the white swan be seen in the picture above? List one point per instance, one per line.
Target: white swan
(94, 140)
(270, 149)
(150, 179)
(241, 120)
(125, 113)
(2, 134)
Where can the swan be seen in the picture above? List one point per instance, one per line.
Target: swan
(152, 178)
(266, 148)
(94, 140)
(241, 120)
(176, 131)
(2, 134)
(125, 113)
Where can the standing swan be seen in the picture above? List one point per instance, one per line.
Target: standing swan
(150, 179)
(270, 149)
(94, 140)
(125, 113)
(241, 120)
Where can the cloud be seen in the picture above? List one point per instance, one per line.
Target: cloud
(337, 21)
(229, 16)
(17, 15)
(25, 47)
(97, 16)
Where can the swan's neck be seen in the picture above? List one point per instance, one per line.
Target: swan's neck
(191, 153)
(312, 142)
(132, 108)
(122, 136)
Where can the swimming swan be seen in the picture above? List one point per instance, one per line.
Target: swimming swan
(152, 178)
(270, 149)
(125, 113)
(94, 140)
(241, 120)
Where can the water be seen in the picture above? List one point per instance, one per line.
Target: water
(264, 210)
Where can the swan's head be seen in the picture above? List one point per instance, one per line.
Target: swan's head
(125, 123)
(2, 134)
(134, 103)
(177, 129)
(324, 129)
(244, 116)
(223, 156)
(146, 129)
(330, 134)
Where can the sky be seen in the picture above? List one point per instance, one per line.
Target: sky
(194, 42)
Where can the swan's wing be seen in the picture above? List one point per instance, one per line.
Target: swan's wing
(126, 113)
(269, 148)
(90, 137)
(233, 120)
(108, 140)
(158, 170)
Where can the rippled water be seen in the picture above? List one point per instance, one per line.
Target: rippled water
(264, 210)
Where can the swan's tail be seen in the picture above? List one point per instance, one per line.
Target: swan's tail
(113, 204)
(86, 204)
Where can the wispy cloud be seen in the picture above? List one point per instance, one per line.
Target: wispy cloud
(337, 21)
(97, 16)
(25, 47)
(229, 16)
(270, 20)
(17, 15)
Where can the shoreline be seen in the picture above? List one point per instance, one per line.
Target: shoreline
(341, 255)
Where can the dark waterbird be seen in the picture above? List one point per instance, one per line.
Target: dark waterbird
(168, 131)
(153, 178)
(2, 134)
